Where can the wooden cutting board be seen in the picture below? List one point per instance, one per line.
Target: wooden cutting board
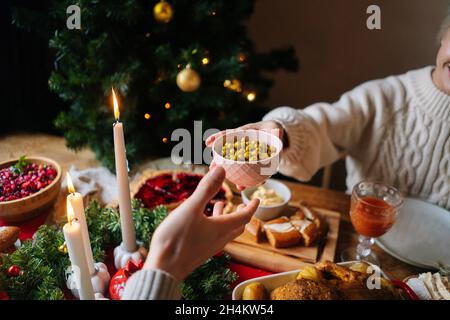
(264, 256)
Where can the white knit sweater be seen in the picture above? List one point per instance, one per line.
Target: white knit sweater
(395, 130)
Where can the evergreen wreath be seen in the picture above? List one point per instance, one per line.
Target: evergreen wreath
(43, 264)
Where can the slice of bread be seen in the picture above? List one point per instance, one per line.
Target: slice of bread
(255, 229)
(281, 233)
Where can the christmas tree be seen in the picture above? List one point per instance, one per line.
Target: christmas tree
(171, 62)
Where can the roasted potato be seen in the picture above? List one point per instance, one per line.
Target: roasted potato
(310, 273)
(254, 291)
(360, 267)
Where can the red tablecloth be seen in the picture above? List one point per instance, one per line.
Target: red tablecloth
(29, 227)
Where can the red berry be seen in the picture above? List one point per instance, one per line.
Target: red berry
(14, 271)
(33, 178)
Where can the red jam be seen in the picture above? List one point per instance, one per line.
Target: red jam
(165, 189)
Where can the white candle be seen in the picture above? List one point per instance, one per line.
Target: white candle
(76, 201)
(75, 246)
(123, 186)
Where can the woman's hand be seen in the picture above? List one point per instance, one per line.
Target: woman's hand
(186, 238)
(269, 126)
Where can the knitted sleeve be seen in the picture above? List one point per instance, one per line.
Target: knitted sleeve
(319, 132)
(151, 285)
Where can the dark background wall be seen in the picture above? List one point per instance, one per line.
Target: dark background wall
(336, 50)
(25, 65)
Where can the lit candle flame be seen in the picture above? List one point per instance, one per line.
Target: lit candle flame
(116, 105)
(70, 186)
(70, 213)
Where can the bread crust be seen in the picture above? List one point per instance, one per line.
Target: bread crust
(282, 239)
(8, 236)
(255, 229)
(307, 229)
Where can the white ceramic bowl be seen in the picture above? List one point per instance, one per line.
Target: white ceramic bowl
(248, 173)
(273, 281)
(269, 212)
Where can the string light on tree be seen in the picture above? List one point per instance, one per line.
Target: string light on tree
(163, 12)
(233, 85)
(188, 80)
(205, 61)
(242, 57)
(167, 105)
(251, 96)
(147, 116)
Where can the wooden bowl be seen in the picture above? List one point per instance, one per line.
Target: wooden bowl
(34, 204)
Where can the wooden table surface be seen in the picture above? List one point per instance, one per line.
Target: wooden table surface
(54, 147)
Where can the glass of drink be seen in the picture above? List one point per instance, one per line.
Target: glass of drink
(373, 211)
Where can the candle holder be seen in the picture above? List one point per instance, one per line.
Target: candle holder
(122, 255)
(100, 296)
(100, 281)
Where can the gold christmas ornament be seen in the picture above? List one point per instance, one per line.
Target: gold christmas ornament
(163, 12)
(188, 80)
(165, 140)
(63, 248)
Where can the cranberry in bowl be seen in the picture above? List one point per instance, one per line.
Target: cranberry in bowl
(28, 186)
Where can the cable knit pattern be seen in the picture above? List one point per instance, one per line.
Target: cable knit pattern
(395, 130)
(151, 285)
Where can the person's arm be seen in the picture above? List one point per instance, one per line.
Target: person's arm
(152, 284)
(317, 134)
(186, 239)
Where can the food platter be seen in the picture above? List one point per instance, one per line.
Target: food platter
(262, 255)
(274, 281)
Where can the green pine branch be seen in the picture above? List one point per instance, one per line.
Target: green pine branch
(43, 264)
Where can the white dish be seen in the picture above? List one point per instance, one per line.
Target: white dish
(269, 212)
(273, 281)
(420, 236)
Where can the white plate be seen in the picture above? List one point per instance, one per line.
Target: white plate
(420, 236)
(276, 280)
